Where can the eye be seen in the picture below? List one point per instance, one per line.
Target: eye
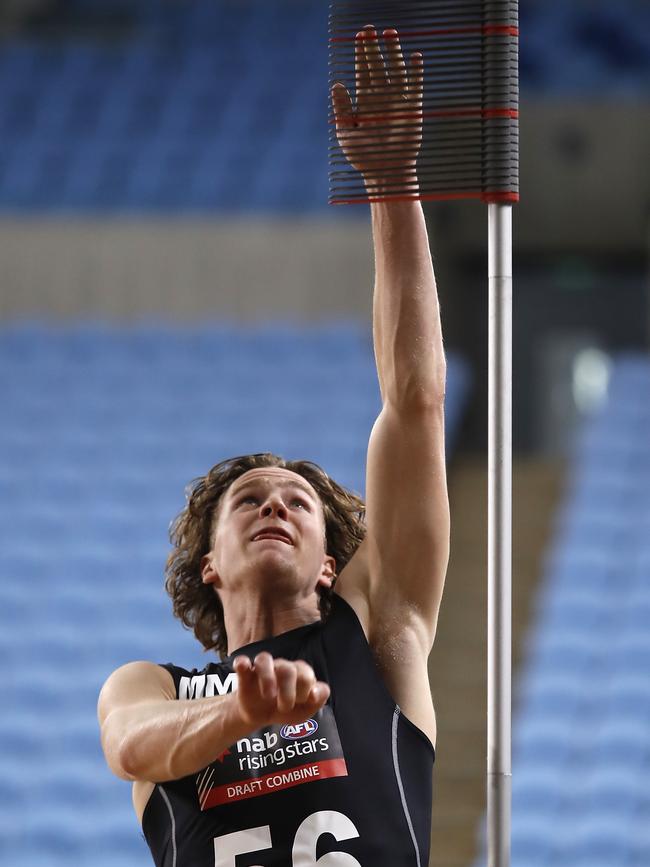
(301, 503)
(250, 498)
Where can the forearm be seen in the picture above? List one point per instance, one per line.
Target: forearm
(167, 740)
(406, 317)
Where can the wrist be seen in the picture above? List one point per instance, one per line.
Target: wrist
(397, 185)
(234, 721)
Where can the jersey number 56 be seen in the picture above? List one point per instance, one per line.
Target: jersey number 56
(303, 854)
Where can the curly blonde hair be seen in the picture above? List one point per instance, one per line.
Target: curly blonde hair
(196, 604)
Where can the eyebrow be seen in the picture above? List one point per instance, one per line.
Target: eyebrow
(286, 484)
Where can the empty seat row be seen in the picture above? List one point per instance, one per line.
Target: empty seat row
(151, 119)
(581, 740)
(93, 466)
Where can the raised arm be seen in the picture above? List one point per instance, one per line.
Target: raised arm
(407, 546)
(406, 489)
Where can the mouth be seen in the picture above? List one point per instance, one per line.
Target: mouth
(273, 535)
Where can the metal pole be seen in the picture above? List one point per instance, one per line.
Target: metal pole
(499, 770)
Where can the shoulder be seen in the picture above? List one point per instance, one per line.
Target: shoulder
(383, 612)
(133, 683)
(399, 648)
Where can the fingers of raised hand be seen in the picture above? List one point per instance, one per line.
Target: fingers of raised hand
(374, 57)
(416, 76)
(396, 65)
(361, 71)
(343, 110)
(372, 72)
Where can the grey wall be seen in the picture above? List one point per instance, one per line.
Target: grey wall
(585, 181)
(581, 248)
(185, 269)
(585, 186)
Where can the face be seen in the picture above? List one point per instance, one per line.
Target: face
(269, 536)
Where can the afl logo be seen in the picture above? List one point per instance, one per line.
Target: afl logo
(300, 730)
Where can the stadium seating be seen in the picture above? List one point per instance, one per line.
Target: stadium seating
(221, 106)
(102, 429)
(581, 736)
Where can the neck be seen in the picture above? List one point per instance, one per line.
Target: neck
(255, 618)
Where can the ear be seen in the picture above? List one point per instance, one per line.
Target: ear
(328, 572)
(209, 574)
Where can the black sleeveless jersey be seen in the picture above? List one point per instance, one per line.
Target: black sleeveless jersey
(351, 787)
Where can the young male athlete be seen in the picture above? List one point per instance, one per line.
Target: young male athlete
(311, 742)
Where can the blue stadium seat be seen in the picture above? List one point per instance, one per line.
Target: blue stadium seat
(581, 739)
(94, 458)
(537, 784)
(598, 838)
(538, 740)
(614, 788)
(531, 840)
(182, 75)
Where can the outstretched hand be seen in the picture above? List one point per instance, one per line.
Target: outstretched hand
(277, 690)
(381, 133)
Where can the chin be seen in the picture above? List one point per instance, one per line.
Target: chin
(276, 565)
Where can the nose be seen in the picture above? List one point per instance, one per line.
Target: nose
(273, 505)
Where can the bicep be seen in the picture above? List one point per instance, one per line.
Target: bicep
(407, 510)
(134, 683)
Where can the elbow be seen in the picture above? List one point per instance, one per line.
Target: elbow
(129, 759)
(413, 390)
(428, 399)
(127, 763)
(432, 391)
(418, 398)
(118, 749)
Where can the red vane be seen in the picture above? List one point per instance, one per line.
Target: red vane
(486, 30)
(457, 112)
(501, 112)
(500, 30)
(500, 198)
(416, 197)
(493, 198)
